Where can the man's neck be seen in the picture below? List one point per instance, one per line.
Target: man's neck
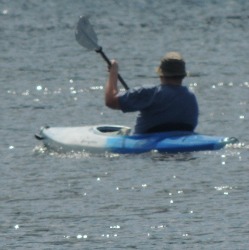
(173, 81)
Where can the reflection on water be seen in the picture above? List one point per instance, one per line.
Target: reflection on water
(173, 157)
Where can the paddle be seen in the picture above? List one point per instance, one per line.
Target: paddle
(86, 37)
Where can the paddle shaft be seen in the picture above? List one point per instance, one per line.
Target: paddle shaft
(101, 52)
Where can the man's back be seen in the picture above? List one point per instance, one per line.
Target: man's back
(167, 106)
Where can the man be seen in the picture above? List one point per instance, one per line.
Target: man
(167, 107)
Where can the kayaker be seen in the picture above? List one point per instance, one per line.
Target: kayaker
(166, 107)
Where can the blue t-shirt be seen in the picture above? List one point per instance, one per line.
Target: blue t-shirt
(160, 105)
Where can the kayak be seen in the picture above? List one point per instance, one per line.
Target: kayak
(118, 139)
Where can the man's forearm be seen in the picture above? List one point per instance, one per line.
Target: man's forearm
(111, 89)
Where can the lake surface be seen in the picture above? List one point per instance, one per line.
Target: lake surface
(150, 201)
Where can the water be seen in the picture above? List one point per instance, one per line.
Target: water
(149, 201)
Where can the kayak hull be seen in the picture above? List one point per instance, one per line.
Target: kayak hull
(117, 139)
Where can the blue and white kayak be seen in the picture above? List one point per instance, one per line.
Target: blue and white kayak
(117, 139)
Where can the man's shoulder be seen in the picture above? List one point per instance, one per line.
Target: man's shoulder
(143, 89)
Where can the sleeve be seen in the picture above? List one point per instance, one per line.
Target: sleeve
(135, 99)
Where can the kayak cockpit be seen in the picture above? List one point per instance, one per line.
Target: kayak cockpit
(112, 130)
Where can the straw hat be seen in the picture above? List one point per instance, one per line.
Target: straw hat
(172, 65)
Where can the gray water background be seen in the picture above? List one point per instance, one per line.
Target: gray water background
(149, 201)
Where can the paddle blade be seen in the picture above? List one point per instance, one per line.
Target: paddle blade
(85, 34)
